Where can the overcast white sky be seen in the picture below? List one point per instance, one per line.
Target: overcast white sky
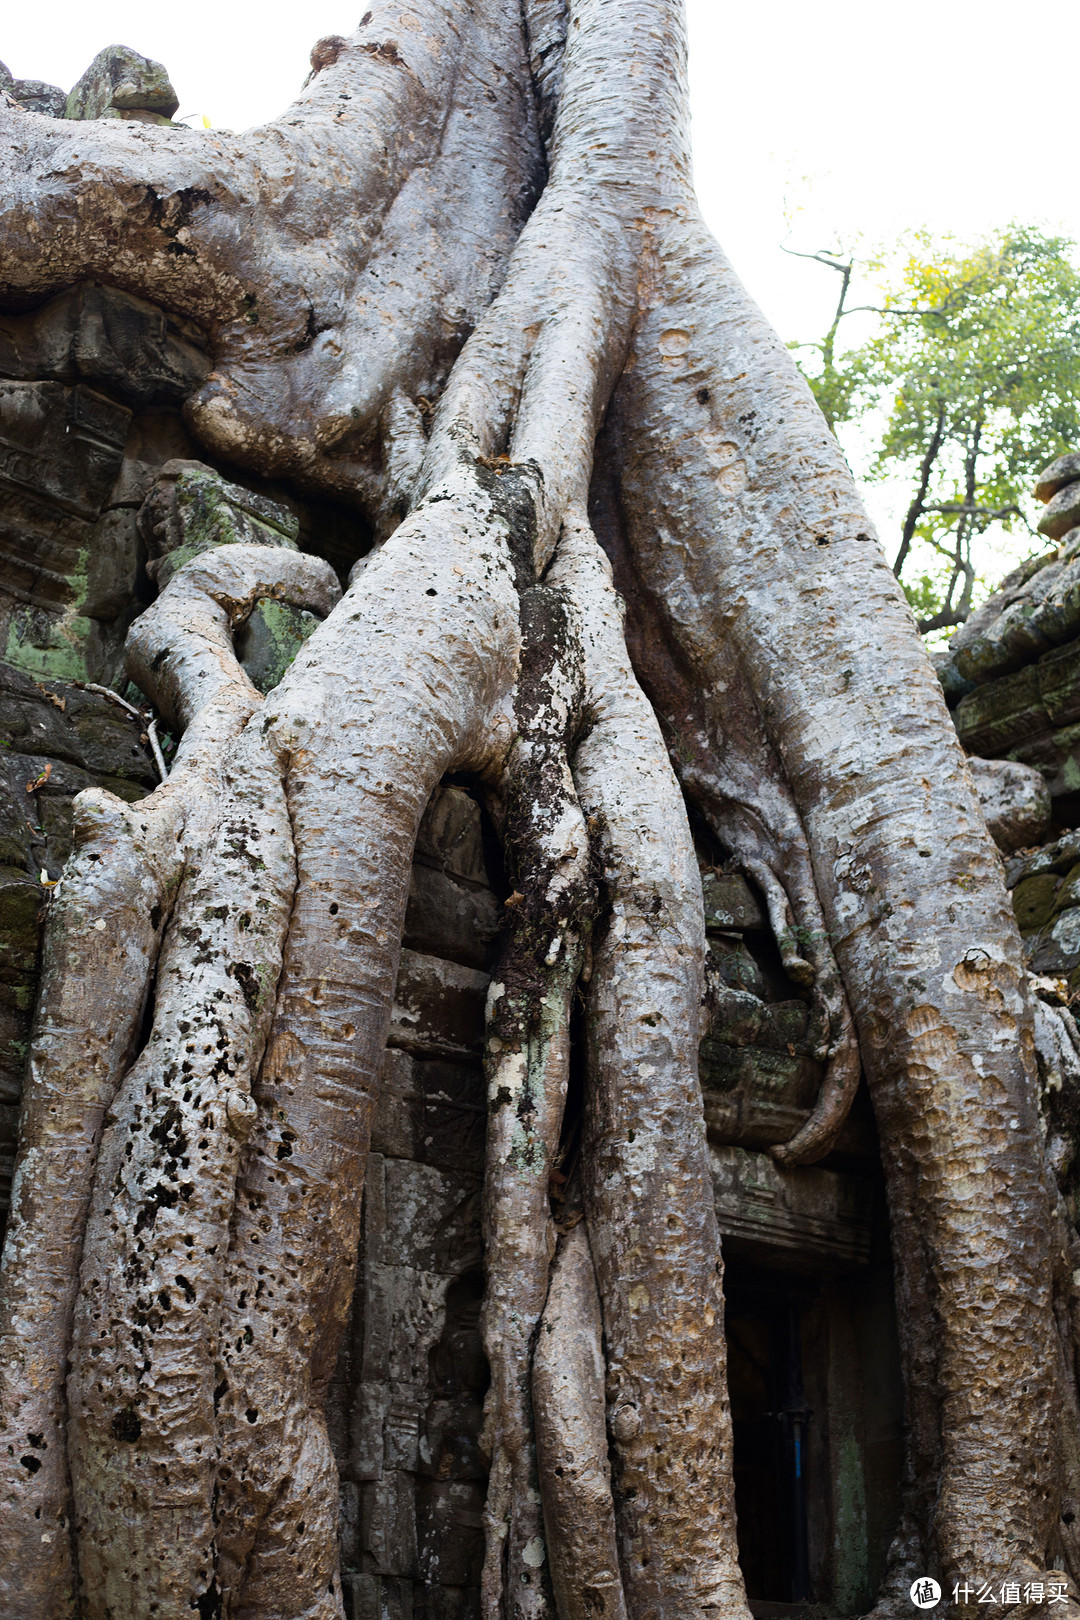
(853, 115)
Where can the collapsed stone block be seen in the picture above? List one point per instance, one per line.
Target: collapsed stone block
(121, 83)
(1015, 801)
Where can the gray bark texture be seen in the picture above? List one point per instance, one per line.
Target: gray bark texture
(619, 576)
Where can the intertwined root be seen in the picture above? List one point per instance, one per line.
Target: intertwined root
(107, 923)
(758, 612)
(415, 144)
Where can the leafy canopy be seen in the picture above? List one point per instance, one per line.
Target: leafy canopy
(969, 384)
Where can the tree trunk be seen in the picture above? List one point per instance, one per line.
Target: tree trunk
(463, 285)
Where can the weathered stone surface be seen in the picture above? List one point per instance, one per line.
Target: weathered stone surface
(60, 453)
(116, 551)
(953, 684)
(741, 1019)
(1062, 512)
(451, 918)
(271, 638)
(1065, 470)
(731, 963)
(1033, 901)
(437, 1209)
(1001, 713)
(191, 509)
(120, 83)
(1015, 801)
(431, 1111)
(450, 1528)
(451, 836)
(1059, 683)
(388, 1524)
(815, 1218)
(730, 903)
(438, 1007)
(1056, 950)
(103, 336)
(1060, 857)
(755, 1096)
(37, 96)
(156, 435)
(981, 647)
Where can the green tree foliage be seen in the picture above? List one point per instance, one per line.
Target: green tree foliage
(969, 384)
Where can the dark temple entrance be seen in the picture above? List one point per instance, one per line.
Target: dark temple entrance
(814, 1379)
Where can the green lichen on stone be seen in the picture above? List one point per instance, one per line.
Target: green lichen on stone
(21, 908)
(119, 81)
(852, 1574)
(48, 646)
(1033, 901)
(193, 510)
(271, 639)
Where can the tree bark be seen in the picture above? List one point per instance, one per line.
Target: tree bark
(470, 248)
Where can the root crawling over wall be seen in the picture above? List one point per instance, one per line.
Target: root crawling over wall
(464, 286)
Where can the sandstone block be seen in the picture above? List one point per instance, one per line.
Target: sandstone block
(1065, 470)
(1033, 901)
(450, 1446)
(37, 96)
(120, 81)
(192, 509)
(438, 1007)
(451, 836)
(815, 1218)
(387, 1534)
(1015, 801)
(1001, 713)
(1057, 950)
(450, 918)
(451, 1531)
(103, 336)
(1062, 512)
(730, 902)
(429, 1219)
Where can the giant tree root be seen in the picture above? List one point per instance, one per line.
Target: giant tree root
(759, 607)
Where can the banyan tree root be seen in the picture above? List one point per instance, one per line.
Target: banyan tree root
(730, 773)
(571, 1440)
(105, 929)
(335, 261)
(648, 1194)
(907, 876)
(527, 1064)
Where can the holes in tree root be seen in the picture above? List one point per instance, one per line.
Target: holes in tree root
(31, 1464)
(333, 908)
(284, 1150)
(126, 1424)
(431, 591)
(703, 396)
(247, 979)
(252, 1414)
(209, 1604)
